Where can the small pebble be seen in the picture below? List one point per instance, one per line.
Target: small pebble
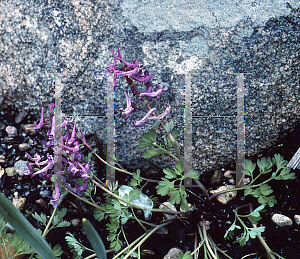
(216, 177)
(162, 231)
(20, 116)
(225, 197)
(41, 202)
(45, 193)
(24, 147)
(76, 222)
(20, 166)
(2, 159)
(11, 131)
(229, 174)
(10, 171)
(281, 220)
(19, 202)
(297, 219)
(1, 172)
(168, 206)
(29, 129)
(172, 254)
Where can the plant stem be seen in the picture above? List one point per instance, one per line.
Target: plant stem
(262, 241)
(134, 205)
(206, 240)
(146, 237)
(82, 199)
(49, 223)
(116, 168)
(132, 244)
(166, 151)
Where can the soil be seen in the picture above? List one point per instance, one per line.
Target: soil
(285, 240)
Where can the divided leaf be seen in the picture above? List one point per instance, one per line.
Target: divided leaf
(147, 139)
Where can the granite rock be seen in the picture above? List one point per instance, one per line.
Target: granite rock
(75, 38)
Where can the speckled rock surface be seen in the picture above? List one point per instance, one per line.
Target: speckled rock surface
(75, 38)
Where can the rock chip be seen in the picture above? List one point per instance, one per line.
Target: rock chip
(2, 159)
(10, 171)
(1, 172)
(20, 166)
(76, 222)
(172, 254)
(162, 231)
(41, 202)
(20, 116)
(19, 202)
(281, 220)
(29, 129)
(216, 177)
(11, 131)
(229, 174)
(297, 219)
(225, 197)
(24, 147)
(168, 206)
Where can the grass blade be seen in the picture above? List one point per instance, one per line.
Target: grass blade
(24, 228)
(94, 239)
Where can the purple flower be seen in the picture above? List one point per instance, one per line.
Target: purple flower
(84, 170)
(71, 144)
(155, 94)
(129, 108)
(51, 107)
(166, 113)
(72, 139)
(144, 79)
(72, 168)
(49, 165)
(55, 197)
(141, 122)
(83, 187)
(42, 122)
(37, 157)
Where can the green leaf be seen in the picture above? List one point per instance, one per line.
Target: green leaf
(285, 174)
(73, 243)
(194, 174)
(24, 228)
(136, 178)
(150, 152)
(247, 191)
(229, 231)
(170, 174)
(179, 166)
(265, 189)
(175, 196)
(164, 186)
(249, 167)
(279, 161)
(94, 239)
(41, 218)
(99, 214)
(156, 124)
(63, 224)
(169, 126)
(253, 232)
(147, 139)
(57, 250)
(186, 255)
(256, 213)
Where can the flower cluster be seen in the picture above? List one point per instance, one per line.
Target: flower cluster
(75, 169)
(133, 71)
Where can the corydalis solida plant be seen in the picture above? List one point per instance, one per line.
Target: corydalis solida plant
(133, 72)
(74, 169)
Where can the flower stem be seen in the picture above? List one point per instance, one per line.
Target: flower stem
(49, 223)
